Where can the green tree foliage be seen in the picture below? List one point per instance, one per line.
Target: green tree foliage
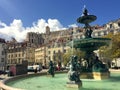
(105, 52)
(69, 53)
(114, 50)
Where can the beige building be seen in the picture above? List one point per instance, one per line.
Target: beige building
(15, 53)
(18, 52)
(55, 51)
(29, 55)
(40, 55)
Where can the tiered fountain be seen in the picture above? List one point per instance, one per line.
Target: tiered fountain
(94, 67)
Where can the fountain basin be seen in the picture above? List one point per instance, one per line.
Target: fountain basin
(43, 82)
(4, 85)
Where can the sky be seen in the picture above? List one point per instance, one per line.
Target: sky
(17, 17)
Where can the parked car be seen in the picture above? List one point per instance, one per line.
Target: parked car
(2, 72)
(38, 67)
(34, 68)
(30, 69)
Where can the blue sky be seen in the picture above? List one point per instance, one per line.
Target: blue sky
(22, 16)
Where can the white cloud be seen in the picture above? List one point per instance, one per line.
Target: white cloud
(54, 24)
(16, 29)
(72, 25)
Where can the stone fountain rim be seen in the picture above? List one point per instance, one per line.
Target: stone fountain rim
(6, 87)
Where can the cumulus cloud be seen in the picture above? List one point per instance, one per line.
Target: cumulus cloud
(72, 25)
(16, 29)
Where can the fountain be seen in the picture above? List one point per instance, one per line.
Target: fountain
(94, 68)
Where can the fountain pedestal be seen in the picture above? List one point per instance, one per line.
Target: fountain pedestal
(95, 75)
(101, 75)
(73, 84)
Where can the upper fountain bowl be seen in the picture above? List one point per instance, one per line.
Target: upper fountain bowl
(86, 19)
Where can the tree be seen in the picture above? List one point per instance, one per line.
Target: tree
(115, 49)
(69, 53)
(112, 52)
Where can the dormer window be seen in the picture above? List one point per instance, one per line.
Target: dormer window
(110, 25)
(119, 24)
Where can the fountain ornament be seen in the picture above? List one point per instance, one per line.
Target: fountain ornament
(74, 73)
(89, 44)
(51, 70)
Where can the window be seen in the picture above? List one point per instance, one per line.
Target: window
(49, 58)
(64, 51)
(2, 59)
(105, 33)
(15, 55)
(3, 53)
(48, 52)
(99, 34)
(48, 46)
(23, 54)
(119, 24)
(19, 55)
(110, 25)
(53, 52)
(59, 51)
(8, 56)
(32, 41)
(12, 56)
(53, 57)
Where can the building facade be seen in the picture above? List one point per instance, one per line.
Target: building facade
(15, 53)
(19, 52)
(41, 48)
(40, 55)
(2, 54)
(34, 39)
